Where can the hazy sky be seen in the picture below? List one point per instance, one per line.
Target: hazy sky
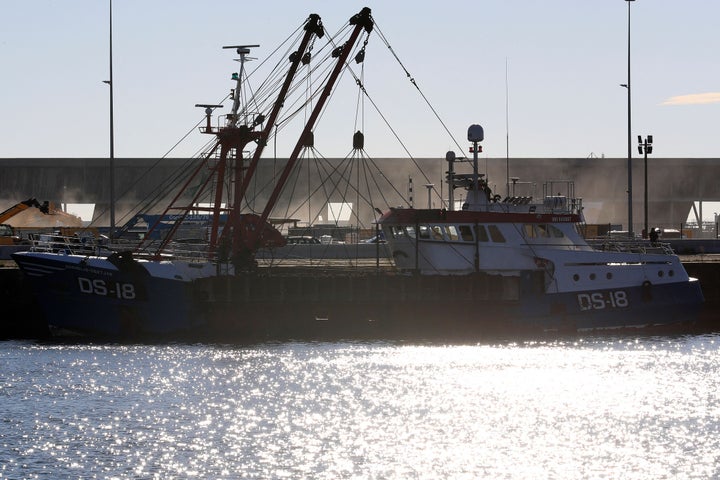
(565, 62)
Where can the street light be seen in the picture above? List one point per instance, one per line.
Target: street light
(629, 131)
(645, 148)
(111, 233)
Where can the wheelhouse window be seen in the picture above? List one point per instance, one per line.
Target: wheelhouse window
(457, 233)
(482, 234)
(437, 232)
(555, 232)
(495, 234)
(529, 231)
(541, 231)
(397, 232)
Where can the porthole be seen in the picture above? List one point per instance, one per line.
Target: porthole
(608, 275)
(671, 273)
(660, 273)
(576, 277)
(592, 276)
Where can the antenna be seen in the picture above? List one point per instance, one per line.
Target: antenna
(208, 112)
(241, 50)
(241, 47)
(507, 130)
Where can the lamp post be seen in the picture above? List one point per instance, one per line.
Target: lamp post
(645, 149)
(111, 233)
(629, 131)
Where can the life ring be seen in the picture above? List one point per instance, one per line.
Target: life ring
(496, 198)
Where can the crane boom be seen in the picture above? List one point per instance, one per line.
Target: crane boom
(362, 21)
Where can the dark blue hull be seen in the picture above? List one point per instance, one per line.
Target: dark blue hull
(431, 307)
(129, 303)
(125, 303)
(645, 306)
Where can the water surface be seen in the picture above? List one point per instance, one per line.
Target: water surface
(596, 408)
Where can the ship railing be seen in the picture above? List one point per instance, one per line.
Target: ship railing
(88, 245)
(561, 204)
(631, 246)
(189, 251)
(70, 245)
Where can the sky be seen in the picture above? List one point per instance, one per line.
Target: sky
(543, 78)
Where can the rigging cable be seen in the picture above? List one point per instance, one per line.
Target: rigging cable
(412, 80)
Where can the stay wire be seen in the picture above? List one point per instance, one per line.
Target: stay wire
(382, 37)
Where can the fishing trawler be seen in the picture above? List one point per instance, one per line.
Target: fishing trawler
(495, 266)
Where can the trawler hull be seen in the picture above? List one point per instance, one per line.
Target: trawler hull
(94, 297)
(97, 299)
(397, 307)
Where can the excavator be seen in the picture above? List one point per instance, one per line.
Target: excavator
(7, 232)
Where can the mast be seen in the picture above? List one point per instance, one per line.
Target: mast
(231, 137)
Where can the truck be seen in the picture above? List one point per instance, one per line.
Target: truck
(8, 235)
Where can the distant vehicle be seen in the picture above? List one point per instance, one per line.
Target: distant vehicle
(379, 238)
(8, 236)
(21, 206)
(302, 240)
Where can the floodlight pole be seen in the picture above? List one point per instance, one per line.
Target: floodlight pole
(111, 233)
(629, 133)
(645, 148)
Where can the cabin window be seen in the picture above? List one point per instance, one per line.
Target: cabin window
(452, 232)
(482, 234)
(437, 232)
(466, 233)
(555, 232)
(495, 234)
(424, 232)
(410, 231)
(397, 232)
(542, 230)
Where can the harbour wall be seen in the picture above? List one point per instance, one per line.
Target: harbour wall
(673, 183)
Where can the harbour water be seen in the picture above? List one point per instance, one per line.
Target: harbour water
(612, 407)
